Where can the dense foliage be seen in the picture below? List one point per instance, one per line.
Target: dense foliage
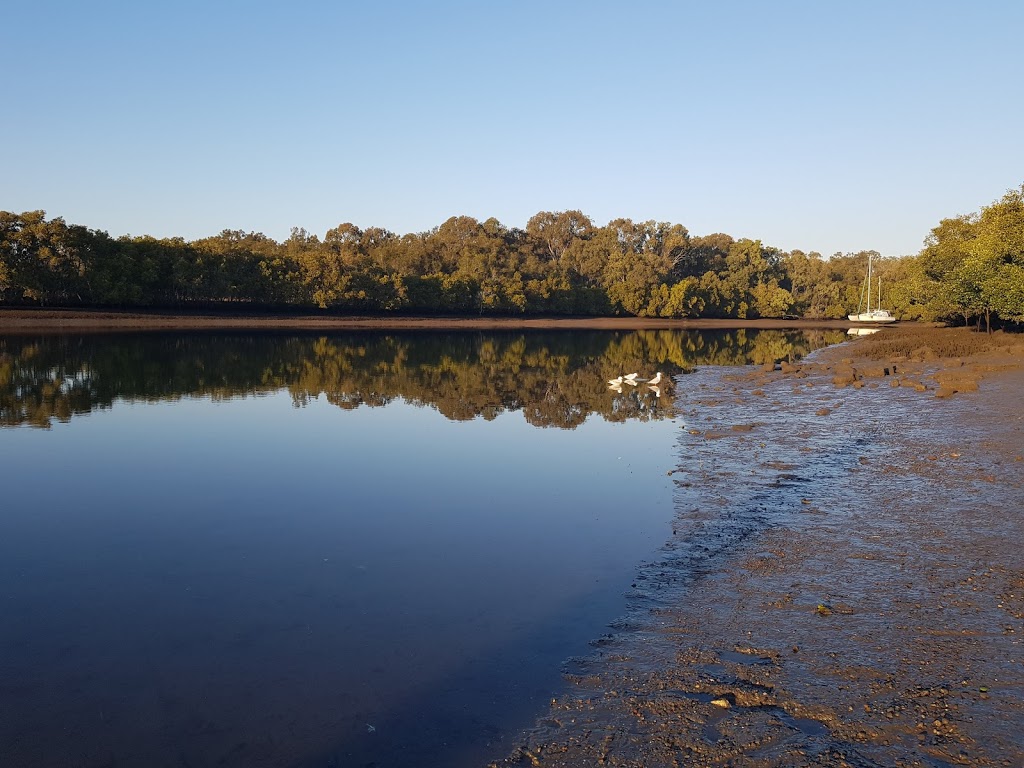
(560, 264)
(972, 266)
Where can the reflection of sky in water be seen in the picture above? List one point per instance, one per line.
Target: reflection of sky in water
(245, 578)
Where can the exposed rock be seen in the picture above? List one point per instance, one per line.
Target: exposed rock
(845, 370)
(960, 380)
(874, 371)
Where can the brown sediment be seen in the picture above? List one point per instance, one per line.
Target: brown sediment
(841, 591)
(37, 320)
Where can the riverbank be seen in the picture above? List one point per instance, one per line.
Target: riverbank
(844, 585)
(42, 320)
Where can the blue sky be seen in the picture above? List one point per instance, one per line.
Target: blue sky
(813, 125)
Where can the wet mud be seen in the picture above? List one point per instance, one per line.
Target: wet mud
(47, 320)
(844, 585)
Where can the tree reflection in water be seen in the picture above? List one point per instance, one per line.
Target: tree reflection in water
(557, 379)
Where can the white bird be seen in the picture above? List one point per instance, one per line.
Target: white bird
(616, 382)
(656, 380)
(631, 378)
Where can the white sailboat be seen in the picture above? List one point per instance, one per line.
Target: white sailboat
(872, 316)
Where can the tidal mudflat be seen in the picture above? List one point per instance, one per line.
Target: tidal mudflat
(844, 584)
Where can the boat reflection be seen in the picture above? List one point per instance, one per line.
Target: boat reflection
(862, 331)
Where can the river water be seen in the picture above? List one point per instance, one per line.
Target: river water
(362, 549)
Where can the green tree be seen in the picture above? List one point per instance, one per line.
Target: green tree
(554, 233)
(947, 246)
(997, 253)
(1007, 292)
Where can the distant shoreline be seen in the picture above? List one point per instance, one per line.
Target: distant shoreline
(45, 320)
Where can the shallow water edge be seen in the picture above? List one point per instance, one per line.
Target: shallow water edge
(842, 586)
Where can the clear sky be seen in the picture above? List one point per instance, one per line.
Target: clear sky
(814, 125)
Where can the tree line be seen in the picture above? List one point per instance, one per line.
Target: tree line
(560, 264)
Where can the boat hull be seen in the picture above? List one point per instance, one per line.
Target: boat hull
(878, 316)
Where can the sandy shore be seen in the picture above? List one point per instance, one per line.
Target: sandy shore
(845, 581)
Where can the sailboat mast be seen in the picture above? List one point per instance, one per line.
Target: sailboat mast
(869, 283)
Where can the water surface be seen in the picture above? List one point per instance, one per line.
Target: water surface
(321, 550)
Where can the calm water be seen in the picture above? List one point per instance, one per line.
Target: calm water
(279, 550)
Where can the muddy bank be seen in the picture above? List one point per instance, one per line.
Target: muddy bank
(844, 585)
(20, 320)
